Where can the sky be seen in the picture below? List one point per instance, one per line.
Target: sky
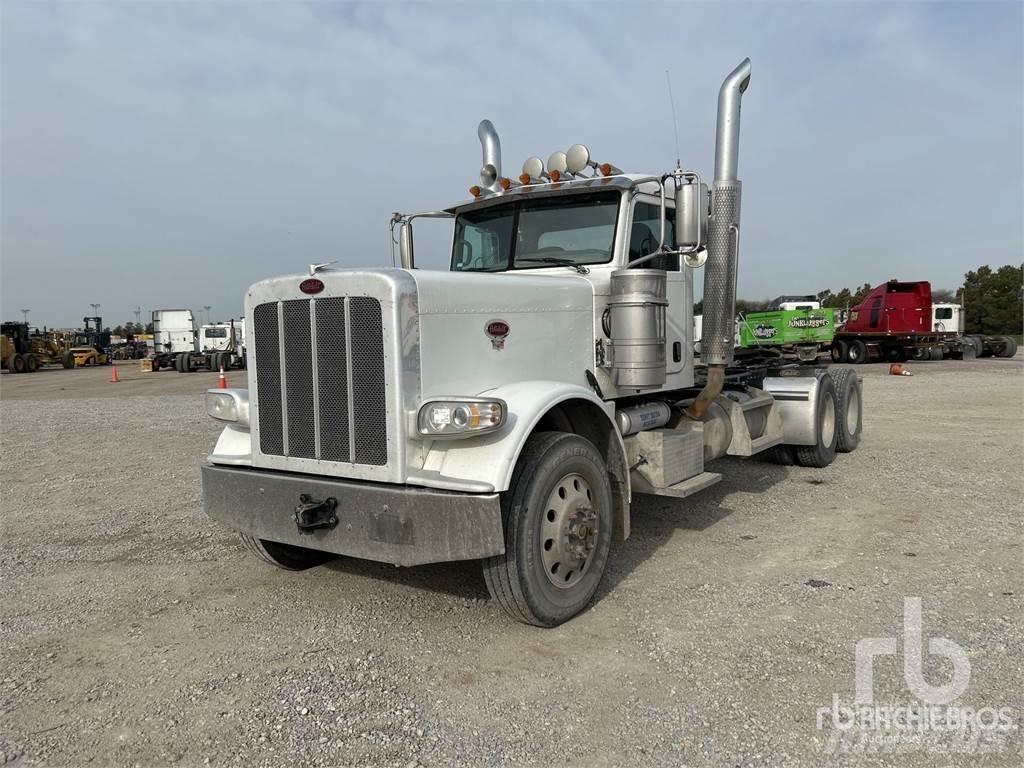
(170, 154)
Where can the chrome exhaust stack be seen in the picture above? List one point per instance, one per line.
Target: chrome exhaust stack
(717, 339)
(490, 170)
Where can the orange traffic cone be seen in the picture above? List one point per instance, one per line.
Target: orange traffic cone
(222, 382)
(114, 378)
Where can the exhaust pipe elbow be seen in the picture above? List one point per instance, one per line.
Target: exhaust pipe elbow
(490, 171)
(727, 133)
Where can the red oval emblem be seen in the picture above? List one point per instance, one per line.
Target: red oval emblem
(496, 329)
(311, 286)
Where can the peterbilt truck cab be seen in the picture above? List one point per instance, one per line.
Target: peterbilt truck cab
(509, 408)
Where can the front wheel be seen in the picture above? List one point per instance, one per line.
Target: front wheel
(839, 351)
(285, 556)
(557, 516)
(67, 360)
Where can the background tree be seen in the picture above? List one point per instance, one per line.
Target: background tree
(994, 300)
(844, 298)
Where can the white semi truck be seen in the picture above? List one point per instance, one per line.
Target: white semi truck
(509, 409)
(179, 344)
(174, 334)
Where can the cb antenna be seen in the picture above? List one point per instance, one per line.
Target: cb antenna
(675, 122)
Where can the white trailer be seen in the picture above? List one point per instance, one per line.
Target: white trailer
(510, 408)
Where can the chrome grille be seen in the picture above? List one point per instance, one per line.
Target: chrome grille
(328, 399)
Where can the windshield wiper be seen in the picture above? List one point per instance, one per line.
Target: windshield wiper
(580, 269)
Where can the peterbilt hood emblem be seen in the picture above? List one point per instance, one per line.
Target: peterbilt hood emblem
(496, 331)
(311, 285)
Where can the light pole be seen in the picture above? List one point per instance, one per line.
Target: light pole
(207, 308)
(24, 314)
(138, 315)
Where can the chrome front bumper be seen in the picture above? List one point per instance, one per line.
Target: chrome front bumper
(394, 524)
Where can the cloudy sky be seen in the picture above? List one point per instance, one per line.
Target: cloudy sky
(170, 154)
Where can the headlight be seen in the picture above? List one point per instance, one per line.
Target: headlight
(228, 405)
(461, 417)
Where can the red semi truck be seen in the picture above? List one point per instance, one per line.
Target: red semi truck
(895, 322)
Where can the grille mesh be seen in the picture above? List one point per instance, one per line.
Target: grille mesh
(332, 369)
(268, 386)
(298, 368)
(369, 412)
(350, 390)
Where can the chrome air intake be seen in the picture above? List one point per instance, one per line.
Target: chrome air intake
(724, 227)
(490, 170)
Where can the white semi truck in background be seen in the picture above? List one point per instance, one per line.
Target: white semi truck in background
(510, 408)
(179, 344)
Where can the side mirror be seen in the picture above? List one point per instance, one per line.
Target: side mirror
(692, 218)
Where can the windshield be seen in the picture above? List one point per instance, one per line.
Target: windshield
(527, 234)
(216, 333)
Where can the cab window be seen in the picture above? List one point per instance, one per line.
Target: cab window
(643, 236)
(943, 313)
(532, 233)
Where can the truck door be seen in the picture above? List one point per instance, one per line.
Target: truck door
(643, 239)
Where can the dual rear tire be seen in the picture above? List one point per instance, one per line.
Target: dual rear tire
(839, 412)
(852, 352)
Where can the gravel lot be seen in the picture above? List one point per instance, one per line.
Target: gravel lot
(134, 631)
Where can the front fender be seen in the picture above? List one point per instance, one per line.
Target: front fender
(489, 460)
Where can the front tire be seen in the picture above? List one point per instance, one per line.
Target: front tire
(16, 363)
(839, 350)
(285, 556)
(67, 360)
(557, 516)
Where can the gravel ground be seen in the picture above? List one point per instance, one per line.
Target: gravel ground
(134, 631)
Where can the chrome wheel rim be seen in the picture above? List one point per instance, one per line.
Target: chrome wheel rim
(853, 412)
(828, 422)
(568, 533)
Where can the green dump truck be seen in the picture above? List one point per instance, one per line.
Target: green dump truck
(802, 332)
